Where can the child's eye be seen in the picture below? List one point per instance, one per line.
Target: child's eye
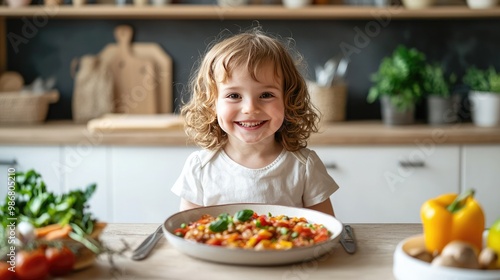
(266, 95)
(233, 96)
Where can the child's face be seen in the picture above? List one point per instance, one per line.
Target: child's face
(248, 110)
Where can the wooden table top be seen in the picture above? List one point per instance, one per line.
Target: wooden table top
(373, 260)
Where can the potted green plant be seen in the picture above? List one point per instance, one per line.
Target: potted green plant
(398, 85)
(484, 95)
(442, 105)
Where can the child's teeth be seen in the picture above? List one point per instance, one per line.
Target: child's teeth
(249, 124)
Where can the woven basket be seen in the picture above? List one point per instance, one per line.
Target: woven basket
(25, 108)
(330, 101)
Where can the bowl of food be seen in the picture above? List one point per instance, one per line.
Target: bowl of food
(411, 261)
(253, 234)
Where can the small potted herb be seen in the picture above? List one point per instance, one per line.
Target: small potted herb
(484, 95)
(442, 105)
(398, 84)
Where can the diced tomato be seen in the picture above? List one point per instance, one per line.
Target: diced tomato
(263, 220)
(320, 238)
(306, 232)
(203, 221)
(181, 231)
(214, 241)
(322, 230)
(298, 229)
(282, 223)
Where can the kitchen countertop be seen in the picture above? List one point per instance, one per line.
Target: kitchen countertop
(373, 260)
(341, 133)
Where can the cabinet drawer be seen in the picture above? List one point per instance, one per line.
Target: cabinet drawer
(141, 182)
(481, 171)
(82, 166)
(389, 184)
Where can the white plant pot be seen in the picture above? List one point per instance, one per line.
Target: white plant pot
(485, 108)
(481, 4)
(418, 4)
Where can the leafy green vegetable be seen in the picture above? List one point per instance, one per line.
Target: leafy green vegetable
(36, 205)
(243, 215)
(435, 82)
(482, 80)
(221, 223)
(218, 225)
(400, 77)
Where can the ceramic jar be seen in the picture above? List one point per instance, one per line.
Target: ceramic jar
(18, 3)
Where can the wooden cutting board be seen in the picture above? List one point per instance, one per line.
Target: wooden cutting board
(162, 64)
(111, 123)
(133, 77)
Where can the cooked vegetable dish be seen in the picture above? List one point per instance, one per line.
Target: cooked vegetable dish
(249, 230)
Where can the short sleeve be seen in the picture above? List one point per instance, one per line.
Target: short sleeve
(319, 184)
(188, 185)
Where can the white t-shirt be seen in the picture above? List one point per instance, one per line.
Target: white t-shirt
(295, 179)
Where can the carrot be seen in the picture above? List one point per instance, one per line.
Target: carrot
(43, 231)
(98, 228)
(59, 233)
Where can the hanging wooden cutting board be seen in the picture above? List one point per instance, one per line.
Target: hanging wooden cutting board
(133, 77)
(162, 64)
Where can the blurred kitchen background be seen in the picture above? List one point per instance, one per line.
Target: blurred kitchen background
(455, 43)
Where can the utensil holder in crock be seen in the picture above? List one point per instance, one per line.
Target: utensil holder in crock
(330, 101)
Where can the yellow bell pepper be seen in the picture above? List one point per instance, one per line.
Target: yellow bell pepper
(450, 217)
(493, 240)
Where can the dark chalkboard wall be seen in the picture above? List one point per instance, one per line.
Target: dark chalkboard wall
(48, 49)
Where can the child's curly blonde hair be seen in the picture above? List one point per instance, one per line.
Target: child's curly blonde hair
(251, 49)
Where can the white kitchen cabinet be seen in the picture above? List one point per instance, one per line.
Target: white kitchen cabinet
(44, 159)
(389, 184)
(141, 179)
(83, 165)
(481, 171)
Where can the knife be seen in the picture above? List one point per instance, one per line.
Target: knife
(348, 240)
(147, 245)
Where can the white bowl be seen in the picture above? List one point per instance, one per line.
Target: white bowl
(252, 257)
(295, 4)
(481, 4)
(407, 267)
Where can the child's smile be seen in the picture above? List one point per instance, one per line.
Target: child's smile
(251, 125)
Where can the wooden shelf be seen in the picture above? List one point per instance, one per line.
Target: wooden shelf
(371, 132)
(269, 12)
